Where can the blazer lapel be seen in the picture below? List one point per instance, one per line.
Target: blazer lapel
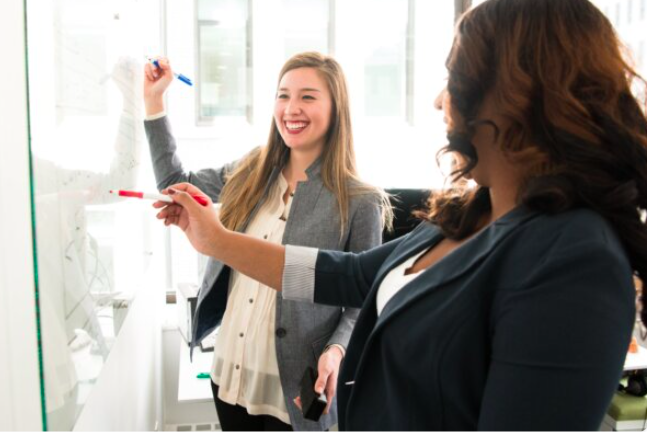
(423, 237)
(454, 265)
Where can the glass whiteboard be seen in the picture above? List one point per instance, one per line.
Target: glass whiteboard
(85, 65)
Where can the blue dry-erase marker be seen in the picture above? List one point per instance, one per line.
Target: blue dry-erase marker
(179, 76)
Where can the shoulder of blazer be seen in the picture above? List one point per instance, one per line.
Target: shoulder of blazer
(425, 232)
(424, 229)
(576, 226)
(364, 200)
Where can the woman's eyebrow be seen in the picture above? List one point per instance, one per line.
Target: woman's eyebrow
(306, 89)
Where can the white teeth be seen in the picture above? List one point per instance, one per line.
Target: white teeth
(295, 125)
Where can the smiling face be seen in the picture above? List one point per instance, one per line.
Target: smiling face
(302, 110)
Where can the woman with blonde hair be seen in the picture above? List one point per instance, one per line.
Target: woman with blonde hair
(301, 188)
(511, 307)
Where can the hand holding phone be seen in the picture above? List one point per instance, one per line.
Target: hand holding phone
(313, 404)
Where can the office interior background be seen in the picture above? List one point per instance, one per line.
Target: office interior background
(93, 290)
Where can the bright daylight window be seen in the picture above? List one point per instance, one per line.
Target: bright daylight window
(629, 19)
(393, 53)
(388, 59)
(224, 85)
(307, 26)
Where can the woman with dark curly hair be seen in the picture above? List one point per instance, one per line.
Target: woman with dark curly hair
(512, 307)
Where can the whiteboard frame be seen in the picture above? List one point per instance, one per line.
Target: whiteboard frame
(20, 393)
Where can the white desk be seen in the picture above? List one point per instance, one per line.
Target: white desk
(190, 388)
(637, 360)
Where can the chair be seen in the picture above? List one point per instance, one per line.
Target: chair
(404, 202)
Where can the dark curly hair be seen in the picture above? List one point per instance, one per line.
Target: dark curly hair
(555, 69)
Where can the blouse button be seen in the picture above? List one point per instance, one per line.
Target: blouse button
(237, 367)
(281, 332)
(251, 300)
(265, 237)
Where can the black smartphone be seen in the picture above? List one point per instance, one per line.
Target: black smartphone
(313, 404)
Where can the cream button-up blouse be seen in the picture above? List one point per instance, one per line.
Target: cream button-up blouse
(244, 365)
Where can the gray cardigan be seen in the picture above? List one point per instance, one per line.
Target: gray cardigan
(302, 330)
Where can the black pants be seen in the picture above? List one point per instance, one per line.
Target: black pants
(236, 417)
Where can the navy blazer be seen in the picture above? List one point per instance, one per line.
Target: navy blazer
(525, 326)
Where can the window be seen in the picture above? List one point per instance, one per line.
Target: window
(224, 59)
(395, 74)
(308, 26)
(632, 36)
(393, 54)
(618, 14)
(388, 62)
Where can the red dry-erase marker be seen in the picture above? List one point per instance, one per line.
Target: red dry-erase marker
(201, 199)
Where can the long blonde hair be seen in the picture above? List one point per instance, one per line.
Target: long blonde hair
(245, 186)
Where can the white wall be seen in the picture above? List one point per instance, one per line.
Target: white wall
(20, 402)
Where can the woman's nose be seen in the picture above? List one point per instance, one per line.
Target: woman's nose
(293, 107)
(438, 102)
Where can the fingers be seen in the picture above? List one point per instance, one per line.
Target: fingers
(164, 63)
(186, 200)
(322, 382)
(171, 214)
(184, 187)
(149, 72)
(320, 385)
(168, 210)
(164, 66)
(331, 389)
(173, 220)
(326, 383)
(297, 402)
(154, 73)
(191, 190)
(328, 368)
